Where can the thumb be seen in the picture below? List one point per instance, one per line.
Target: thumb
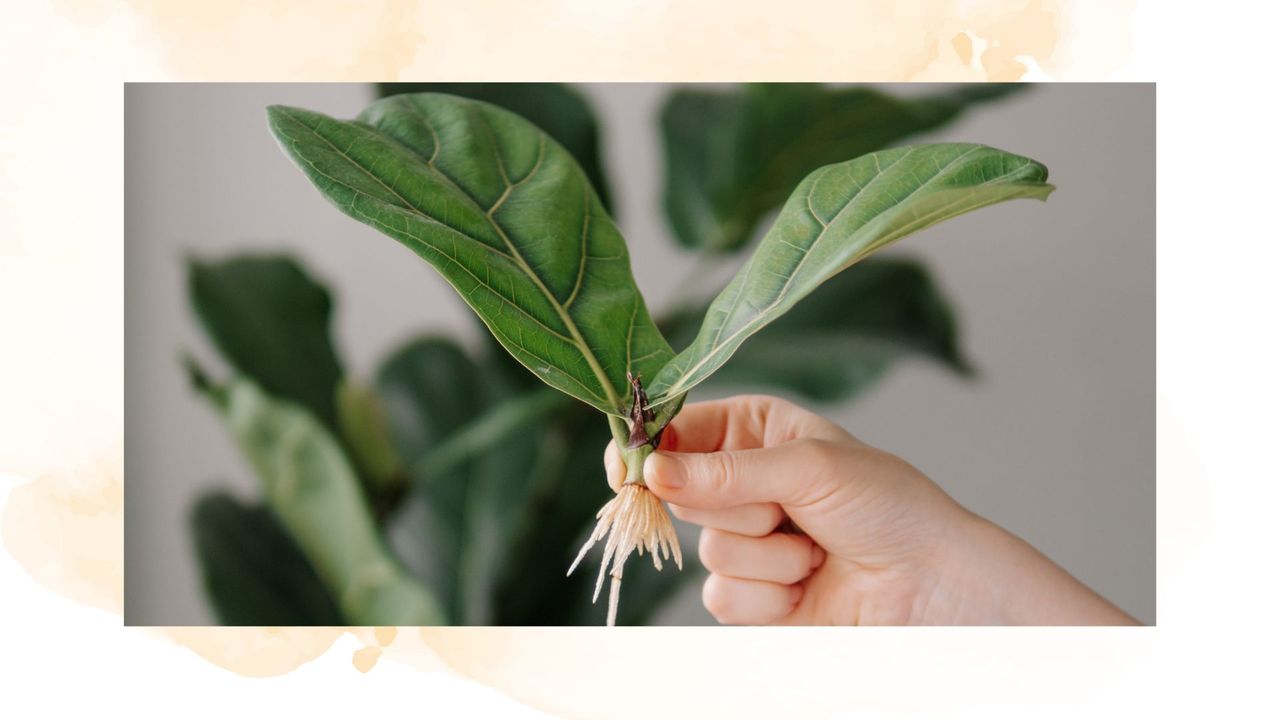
(787, 473)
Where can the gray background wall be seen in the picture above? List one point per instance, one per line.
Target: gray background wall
(1055, 440)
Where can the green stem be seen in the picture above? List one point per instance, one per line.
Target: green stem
(634, 459)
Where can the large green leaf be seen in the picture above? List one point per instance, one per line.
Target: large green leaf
(253, 572)
(509, 219)
(270, 320)
(430, 389)
(843, 337)
(561, 112)
(474, 444)
(733, 156)
(310, 486)
(568, 489)
(840, 214)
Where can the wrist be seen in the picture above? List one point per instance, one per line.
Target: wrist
(989, 576)
(962, 583)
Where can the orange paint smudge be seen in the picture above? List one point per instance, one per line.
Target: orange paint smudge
(365, 658)
(384, 635)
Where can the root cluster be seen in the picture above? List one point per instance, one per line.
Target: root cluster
(633, 520)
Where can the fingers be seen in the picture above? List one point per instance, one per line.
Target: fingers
(778, 558)
(754, 520)
(741, 422)
(615, 470)
(734, 601)
(790, 474)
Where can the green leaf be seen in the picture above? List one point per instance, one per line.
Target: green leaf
(490, 430)
(844, 336)
(312, 489)
(476, 443)
(568, 488)
(556, 108)
(430, 389)
(840, 214)
(270, 320)
(733, 156)
(509, 219)
(253, 572)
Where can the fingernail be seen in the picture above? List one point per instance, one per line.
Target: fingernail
(664, 471)
(818, 555)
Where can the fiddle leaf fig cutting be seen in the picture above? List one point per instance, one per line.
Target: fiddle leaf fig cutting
(508, 217)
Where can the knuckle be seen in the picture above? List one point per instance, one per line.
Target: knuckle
(759, 408)
(722, 468)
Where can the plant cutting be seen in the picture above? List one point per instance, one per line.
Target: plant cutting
(511, 221)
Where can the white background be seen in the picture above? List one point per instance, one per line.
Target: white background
(1213, 652)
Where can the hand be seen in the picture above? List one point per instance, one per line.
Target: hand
(803, 524)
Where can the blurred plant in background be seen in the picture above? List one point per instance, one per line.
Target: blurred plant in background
(487, 477)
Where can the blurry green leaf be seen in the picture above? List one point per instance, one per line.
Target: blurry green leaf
(506, 216)
(253, 573)
(476, 451)
(568, 489)
(270, 320)
(733, 156)
(556, 108)
(430, 389)
(505, 478)
(312, 489)
(486, 433)
(844, 336)
(363, 422)
(839, 215)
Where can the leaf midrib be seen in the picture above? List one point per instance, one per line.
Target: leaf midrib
(562, 311)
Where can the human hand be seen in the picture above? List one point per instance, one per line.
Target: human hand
(803, 524)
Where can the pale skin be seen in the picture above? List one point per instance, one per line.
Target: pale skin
(802, 524)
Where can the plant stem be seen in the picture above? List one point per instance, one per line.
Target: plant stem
(634, 459)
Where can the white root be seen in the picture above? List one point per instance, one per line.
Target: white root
(633, 520)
